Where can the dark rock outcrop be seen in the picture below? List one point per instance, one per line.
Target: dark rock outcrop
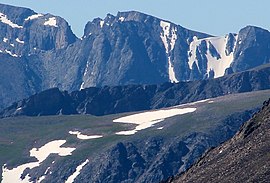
(110, 100)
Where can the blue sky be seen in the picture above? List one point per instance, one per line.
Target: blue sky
(210, 16)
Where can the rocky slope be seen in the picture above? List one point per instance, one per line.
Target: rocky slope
(128, 48)
(111, 100)
(244, 158)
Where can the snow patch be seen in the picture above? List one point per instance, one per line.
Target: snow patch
(199, 101)
(18, 109)
(121, 19)
(5, 20)
(5, 40)
(84, 137)
(43, 176)
(32, 17)
(82, 86)
(220, 151)
(53, 147)
(51, 22)
(40, 154)
(19, 41)
(10, 53)
(148, 119)
(165, 34)
(219, 65)
(171, 72)
(14, 174)
(84, 74)
(101, 23)
(169, 37)
(77, 172)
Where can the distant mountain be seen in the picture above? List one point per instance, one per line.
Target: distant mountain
(244, 158)
(39, 51)
(118, 99)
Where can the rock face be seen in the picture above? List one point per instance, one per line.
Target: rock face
(128, 48)
(111, 100)
(244, 158)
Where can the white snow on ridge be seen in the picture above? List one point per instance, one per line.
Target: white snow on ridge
(217, 65)
(53, 147)
(5, 40)
(5, 20)
(77, 172)
(51, 22)
(32, 17)
(101, 23)
(19, 41)
(84, 137)
(169, 37)
(10, 53)
(146, 120)
(165, 34)
(121, 19)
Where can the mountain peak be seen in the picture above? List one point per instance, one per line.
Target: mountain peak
(15, 14)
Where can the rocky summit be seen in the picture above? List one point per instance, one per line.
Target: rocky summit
(127, 48)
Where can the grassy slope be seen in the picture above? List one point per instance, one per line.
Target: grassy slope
(19, 135)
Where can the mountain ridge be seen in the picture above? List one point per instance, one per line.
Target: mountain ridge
(111, 100)
(128, 48)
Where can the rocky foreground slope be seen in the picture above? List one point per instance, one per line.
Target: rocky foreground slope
(244, 158)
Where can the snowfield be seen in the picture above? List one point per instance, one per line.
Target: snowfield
(4, 19)
(218, 65)
(32, 17)
(53, 147)
(169, 37)
(51, 22)
(148, 119)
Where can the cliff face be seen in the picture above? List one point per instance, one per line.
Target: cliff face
(244, 158)
(123, 49)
